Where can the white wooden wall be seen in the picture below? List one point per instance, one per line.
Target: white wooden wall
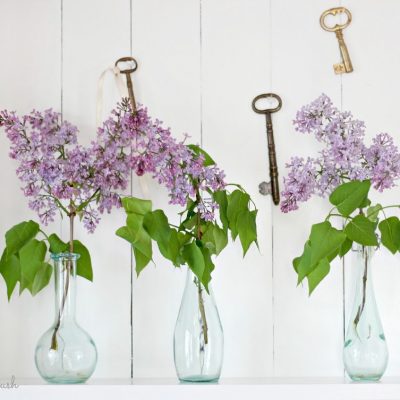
(201, 62)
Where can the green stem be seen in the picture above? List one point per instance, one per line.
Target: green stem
(200, 291)
(54, 343)
(364, 279)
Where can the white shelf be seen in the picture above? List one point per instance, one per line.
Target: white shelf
(229, 389)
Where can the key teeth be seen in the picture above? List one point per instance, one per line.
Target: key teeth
(339, 68)
(265, 188)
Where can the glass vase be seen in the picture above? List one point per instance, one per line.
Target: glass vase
(65, 353)
(365, 351)
(198, 336)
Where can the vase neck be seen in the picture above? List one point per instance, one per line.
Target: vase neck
(65, 286)
(364, 265)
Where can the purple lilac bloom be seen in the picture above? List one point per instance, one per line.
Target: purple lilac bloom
(344, 156)
(59, 174)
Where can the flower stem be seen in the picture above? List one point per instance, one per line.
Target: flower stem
(364, 279)
(202, 312)
(200, 290)
(54, 344)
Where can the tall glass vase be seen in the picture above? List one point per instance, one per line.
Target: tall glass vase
(198, 337)
(65, 353)
(365, 351)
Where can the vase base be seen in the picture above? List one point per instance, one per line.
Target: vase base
(366, 378)
(66, 380)
(199, 379)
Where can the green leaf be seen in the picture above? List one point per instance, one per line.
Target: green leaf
(42, 278)
(361, 230)
(350, 196)
(215, 239)
(199, 151)
(136, 205)
(324, 241)
(56, 244)
(221, 199)
(125, 232)
(208, 268)
(345, 247)
(316, 276)
(172, 250)
(157, 226)
(10, 269)
(237, 202)
(302, 264)
(246, 226)
(141, 260)
(31, 259)
(19, 235)
(194, 259)
(84, 263)
(220, 239)
(390, 233)
(372, 212)
(142, 248)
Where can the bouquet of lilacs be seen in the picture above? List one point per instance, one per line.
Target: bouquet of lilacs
(345, 170)
(60, 176)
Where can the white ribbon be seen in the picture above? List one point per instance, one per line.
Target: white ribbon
(123, 91)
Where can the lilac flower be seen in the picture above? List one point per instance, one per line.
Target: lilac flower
(344, 156)
(300, 183)
(59, 174)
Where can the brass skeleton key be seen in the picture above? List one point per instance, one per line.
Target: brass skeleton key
(271, 187)
(345, 65)
(128, 72)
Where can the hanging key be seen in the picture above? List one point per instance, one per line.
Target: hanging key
(271, 187)
(133, 67)
(345, 66)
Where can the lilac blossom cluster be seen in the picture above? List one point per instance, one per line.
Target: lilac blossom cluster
(344, 156)
(58, 174)
(152, 149)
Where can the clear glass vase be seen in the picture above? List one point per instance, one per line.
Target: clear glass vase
(365, 351)
(198, 337)
(65, 353)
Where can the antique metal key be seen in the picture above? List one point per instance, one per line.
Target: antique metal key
(345, 65)
(128, 73)
(271, 187)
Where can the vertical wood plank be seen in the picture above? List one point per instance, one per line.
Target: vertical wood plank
(308, 331)
(235, 70)
(371, 93)
(30, 48)
(166, 45)
(96, 34)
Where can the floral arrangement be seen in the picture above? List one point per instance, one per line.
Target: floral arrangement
(345, 170)
(61, 176)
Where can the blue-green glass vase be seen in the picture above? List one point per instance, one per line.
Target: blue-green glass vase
(198, 336)
(365, 351)
(65, 353)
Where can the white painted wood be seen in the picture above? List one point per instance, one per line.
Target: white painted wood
(308, 331)
(371, 93)
(96, 34)
(30, 78)
(166, 38)
(235, 389)
(200, 65)
(235, 70)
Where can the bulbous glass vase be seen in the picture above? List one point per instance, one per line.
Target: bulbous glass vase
(365, 351)
(65, 353)
(198, 337)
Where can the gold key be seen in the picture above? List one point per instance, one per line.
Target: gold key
(345, 65)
